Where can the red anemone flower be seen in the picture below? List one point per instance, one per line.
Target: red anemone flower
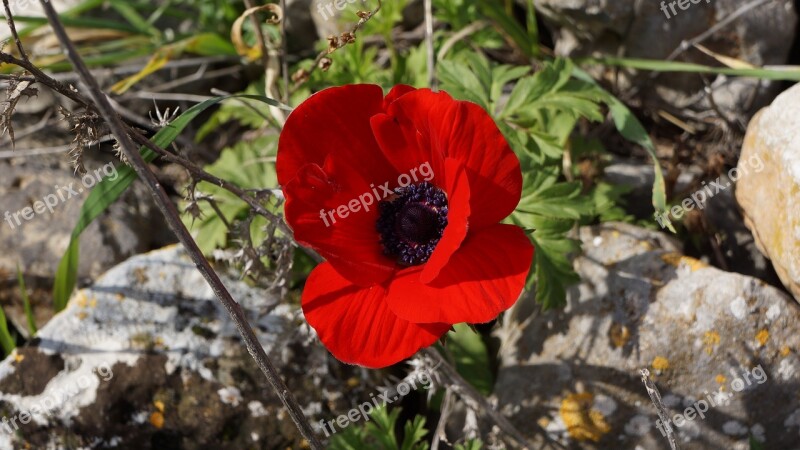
(402, 196)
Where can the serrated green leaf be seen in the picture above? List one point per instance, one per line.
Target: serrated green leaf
(414, 436)
(460, 82)
(472, 444)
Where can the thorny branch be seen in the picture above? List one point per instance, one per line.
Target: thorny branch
(131, 152)
(195, 171)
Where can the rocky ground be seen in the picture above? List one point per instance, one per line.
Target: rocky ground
(144, 357)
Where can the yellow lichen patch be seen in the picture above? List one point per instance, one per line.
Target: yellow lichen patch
(93, 302)
(583, 423)
(18, 357)
(157, 419)
(80, 299)
(543, 422)
(119, 296)
(711, 340)
(720, 379)
(762, 337)
(159, 405)
(158, 342)
(660, 363)
(619, 335)
(353, 382)
(785, 350)
(676, 260)
(81, 315)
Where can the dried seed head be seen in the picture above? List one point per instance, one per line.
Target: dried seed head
(325, 64)
(333, 44)
(300, 76)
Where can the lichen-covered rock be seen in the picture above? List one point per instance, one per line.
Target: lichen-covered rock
(770, 198)
(704, 334)
(147, 358)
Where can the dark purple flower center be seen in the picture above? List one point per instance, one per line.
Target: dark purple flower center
(411, 222)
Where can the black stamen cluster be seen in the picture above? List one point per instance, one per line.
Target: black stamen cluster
(411, 222)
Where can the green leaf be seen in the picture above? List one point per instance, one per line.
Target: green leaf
(755, 444)
(381, 427)
(414, 436)
(631, 129)
(502, 75)
(554, 271)
(6, 340)
(495, 10)
(783, 73)
(533, 29)
(66, 276)
(459, 81)
(550, 79)
(108, 190)
(26, 302)
(472, 444)
(132, 16)
(471, 357)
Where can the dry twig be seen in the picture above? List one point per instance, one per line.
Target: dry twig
(131, 152)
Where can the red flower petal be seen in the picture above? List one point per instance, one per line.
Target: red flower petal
(483, 278)
(396, 92)
(350, 243)
(432, 126)
(458, 193)
(334, 121)
(357, 326)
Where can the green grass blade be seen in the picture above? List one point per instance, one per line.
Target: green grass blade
(26, 302)
(108, 190)
(134, 18)
(787, 73)
(533, 29)
(495, 11)
(66, 276)
(6, 340)
(79, 22)
(75, 11)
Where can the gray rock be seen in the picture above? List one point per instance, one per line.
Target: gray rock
(769, 188)
(642, 30)
(38, 243)
(641, 304)
(147, 358)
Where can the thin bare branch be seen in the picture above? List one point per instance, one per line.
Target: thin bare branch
(474, 399)
(168, 209)
(655, 397)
